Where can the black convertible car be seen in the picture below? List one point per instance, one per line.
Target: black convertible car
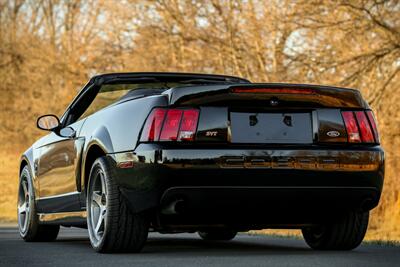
(213, 154)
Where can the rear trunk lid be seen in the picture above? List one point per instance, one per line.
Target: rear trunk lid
(282, 95)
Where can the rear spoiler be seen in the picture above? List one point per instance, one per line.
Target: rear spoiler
(291, 94)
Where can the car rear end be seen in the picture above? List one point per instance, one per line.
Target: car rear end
(256, 156)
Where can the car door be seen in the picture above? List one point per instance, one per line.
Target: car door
(58, 165)
(57, 170)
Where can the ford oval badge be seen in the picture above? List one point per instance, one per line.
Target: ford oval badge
(333, 133)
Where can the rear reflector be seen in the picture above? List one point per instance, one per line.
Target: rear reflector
(353, 135)
(365, 129)
(170, 125)
(125, 165)
(305, 91)
(360, 126)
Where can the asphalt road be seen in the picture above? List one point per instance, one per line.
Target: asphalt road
(72, 248)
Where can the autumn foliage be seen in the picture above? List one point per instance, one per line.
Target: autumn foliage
(49, 49)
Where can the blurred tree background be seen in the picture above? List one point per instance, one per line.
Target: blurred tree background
(50, 48)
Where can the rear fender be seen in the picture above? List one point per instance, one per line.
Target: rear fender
(101, 138)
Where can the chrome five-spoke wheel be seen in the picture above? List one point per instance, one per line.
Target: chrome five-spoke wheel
(29, 225)
(111, 224)
(97, 206)
(23, 205)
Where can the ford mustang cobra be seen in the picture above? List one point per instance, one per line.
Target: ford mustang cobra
(212, 154)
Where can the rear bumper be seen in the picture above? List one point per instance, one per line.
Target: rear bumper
(306, 180)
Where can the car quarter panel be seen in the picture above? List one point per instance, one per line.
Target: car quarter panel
(117, 127)
(122, 121)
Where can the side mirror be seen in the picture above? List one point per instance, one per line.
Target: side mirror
(48, 122)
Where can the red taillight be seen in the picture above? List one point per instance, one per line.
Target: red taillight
(371, 119)
(365, 128)
(353, 136)
(360, 127)
(188, 125)
(170, 125)
(152, 128)
(306, 91)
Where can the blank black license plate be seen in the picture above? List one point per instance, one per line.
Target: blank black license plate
(289, 128)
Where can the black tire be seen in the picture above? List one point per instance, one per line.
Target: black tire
(217, 234)
(345, 234)
(29, 226)
(122, 230)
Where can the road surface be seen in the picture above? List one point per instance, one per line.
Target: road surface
(72, 248)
